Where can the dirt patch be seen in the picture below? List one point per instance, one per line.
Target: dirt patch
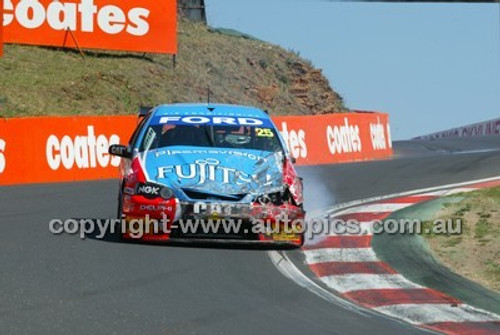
(475, 253)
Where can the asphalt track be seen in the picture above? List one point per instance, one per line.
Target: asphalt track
(64, 285)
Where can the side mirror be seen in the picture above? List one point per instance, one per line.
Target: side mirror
(120, 151)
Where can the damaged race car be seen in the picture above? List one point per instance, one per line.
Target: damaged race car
(209, 172)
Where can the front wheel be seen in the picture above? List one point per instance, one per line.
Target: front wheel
(119, 211)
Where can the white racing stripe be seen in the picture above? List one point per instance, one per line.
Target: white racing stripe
(376, 208)
(411, 313)
(338, 209)
(449, 192)
(289, 270)
(359, 281)
(319, 233)
(433, 313)
(364, 228)
(325, 255)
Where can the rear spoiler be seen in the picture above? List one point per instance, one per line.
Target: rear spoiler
(144, 110)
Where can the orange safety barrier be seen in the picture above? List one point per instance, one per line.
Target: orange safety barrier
(58, 149)
(139, 25)
(336, 138)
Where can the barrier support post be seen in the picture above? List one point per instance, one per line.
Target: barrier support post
(73, 37)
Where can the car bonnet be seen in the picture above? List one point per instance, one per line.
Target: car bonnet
(215, 170)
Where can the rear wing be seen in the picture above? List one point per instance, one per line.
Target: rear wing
(143, 111)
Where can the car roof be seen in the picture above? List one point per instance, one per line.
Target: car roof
(210, 110)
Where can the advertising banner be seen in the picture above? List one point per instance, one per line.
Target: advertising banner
(487, 128)
(58, 149)
(51, 149)
(139, 25)
(336, 138)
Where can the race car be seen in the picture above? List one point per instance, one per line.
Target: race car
(209, 172)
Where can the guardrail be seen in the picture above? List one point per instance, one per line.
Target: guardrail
(486, 128)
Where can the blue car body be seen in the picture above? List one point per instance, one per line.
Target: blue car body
(237, 171)
(182, 155)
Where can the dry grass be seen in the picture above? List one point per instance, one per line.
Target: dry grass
(476, 252)
(41, 81)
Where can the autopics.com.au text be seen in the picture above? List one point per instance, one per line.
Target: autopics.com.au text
(137, 228)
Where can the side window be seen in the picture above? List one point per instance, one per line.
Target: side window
(137, 130)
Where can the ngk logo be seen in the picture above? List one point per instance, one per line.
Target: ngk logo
(295, 141)
(2, 155)
(343, 139)
(148, 190)
(377, 134)
(84, 16)
(87, 151)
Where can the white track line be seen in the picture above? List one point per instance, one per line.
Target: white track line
(336, 209)
(450, 192)
(376, 208)
(289, 270)
(364, 228)
(359, 281)
(325, 255)
(432, 313)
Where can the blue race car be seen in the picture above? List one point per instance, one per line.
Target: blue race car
(209, 172)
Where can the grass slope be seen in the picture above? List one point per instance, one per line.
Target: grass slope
(475, 253)
(410, 254)
(238, 69)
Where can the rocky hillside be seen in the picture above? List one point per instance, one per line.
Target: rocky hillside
(237, 68)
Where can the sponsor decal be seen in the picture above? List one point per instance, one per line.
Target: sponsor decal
(295, 141)
(203, 170)
(149, 191)
(210, 120)
(2, 155)
(264, 132)
(343, 139)
(152, 191)
(155, 208)
(139, 25)
(88, 151)
(213, 209)
(209, 152)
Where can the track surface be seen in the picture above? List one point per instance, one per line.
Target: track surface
(63, 285)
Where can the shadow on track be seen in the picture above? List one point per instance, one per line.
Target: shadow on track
(115, 236)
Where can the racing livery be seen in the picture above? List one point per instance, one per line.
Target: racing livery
(210, 162)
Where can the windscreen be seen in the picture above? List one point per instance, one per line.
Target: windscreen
(217, 136)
